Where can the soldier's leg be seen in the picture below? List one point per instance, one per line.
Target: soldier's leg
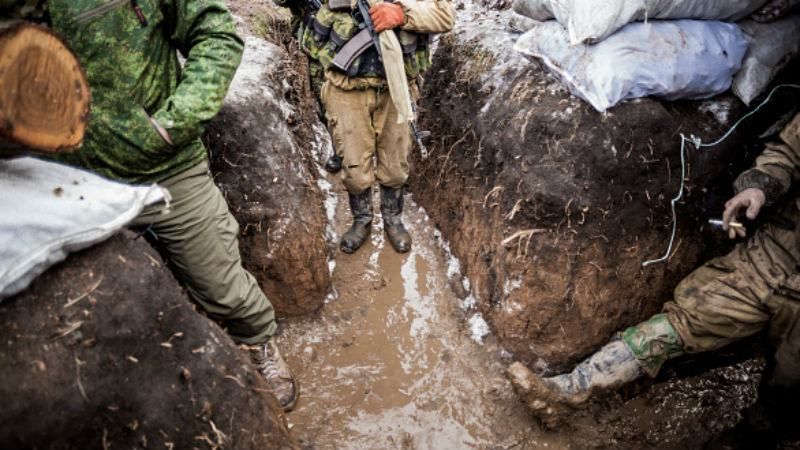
(393, 147)
(717, 304)
(349, 116)
(199, 236)
(784, 332)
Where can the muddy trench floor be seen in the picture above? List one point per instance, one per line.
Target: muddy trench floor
(390, 360)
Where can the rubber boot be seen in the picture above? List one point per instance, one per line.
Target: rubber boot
(361, 209)
(641, 349)
(553, 399)
(392, 212)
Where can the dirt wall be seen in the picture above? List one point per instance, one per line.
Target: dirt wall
(106, 351)
(553, 207)
(260, 155)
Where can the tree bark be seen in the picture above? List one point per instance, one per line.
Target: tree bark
(44, 94)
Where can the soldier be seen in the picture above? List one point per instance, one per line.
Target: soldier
(361, 116)
(147, 117)
(753, 288)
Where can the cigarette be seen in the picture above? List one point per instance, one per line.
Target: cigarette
(718, 223)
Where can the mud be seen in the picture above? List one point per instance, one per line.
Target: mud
(391, 362)
(106, 351)
(551, 207)
(260, 156)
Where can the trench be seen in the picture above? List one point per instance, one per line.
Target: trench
(393, 360)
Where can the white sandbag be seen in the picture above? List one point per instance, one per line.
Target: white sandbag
(682, 59)
(772, 47)
(49, 210)
(590, 21)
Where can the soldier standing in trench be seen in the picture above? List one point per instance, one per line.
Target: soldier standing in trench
(147, 118)
(753, 288)
(361, 115)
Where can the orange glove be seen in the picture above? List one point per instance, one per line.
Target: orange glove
(386, 16)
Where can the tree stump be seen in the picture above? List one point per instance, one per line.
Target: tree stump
(44, 94)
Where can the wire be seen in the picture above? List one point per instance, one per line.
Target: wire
(699, 144)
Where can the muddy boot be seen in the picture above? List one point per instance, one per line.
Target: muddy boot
(554, 399)
(333, 164)
(270, 364)
(641, 349)
(361, 209)
(392, 211)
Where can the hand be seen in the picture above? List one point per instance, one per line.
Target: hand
(387, 16)
(752, 199)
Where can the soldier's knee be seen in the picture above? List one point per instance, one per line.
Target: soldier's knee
(357, 181)
(394, 180)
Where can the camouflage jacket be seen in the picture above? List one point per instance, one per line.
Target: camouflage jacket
(778, 166)
(129, 50)
(328, 30)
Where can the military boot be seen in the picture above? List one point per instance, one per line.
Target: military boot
(642, 349)
(392, 212)
(361, 209)
(552, 399)
(273, 368)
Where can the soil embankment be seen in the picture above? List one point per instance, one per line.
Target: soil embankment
(552, 207)
(261, 159)
(106, 351)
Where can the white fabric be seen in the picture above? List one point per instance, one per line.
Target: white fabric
(589, 21)
(682, 59)
(49, 210)
(772, 46)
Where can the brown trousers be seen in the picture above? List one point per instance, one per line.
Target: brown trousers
(753, 288)
(363, 125)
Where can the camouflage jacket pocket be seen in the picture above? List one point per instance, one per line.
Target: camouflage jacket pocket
(137, 142)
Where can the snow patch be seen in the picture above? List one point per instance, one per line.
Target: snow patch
(478, 327)
(720, 109)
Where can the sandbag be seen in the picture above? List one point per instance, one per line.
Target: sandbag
(590, 21)
(772, 47)
(50, 210)
(682, 59)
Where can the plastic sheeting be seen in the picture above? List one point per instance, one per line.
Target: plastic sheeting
(50, 210)
(589, 21)
(682, 59)
(772, 46)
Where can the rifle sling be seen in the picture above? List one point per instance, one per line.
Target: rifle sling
(357, 45)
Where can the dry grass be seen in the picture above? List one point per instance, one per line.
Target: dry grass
(274, 25)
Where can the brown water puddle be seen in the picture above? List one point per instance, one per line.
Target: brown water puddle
(390, 363)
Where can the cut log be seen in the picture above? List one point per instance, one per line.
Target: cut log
(44, 94)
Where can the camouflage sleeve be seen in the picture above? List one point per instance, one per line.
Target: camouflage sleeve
(205, 33)
(778, 166)
(428, 16)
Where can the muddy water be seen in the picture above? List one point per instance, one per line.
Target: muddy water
(390, 362)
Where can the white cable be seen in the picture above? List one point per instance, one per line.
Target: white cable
(699, 144)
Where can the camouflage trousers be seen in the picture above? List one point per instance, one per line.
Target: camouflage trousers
(363, 126)
(200, 239)
(755, 287)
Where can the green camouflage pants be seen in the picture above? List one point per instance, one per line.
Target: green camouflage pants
(200, 239)
(753, 288)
